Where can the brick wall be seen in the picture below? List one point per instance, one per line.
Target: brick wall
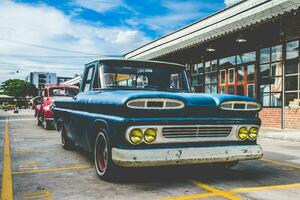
(271, 118)
(292, 118)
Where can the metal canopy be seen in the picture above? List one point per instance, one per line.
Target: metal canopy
(235, 18)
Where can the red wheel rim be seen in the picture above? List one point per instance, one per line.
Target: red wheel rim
(101, 154)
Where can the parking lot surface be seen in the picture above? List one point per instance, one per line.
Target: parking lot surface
(41, 169)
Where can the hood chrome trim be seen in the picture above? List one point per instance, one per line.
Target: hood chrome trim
(247, 106)
(155, 103)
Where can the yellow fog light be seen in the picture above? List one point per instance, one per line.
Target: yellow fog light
(150, 135)
(243, 133)
(253, 131)
(136, 136)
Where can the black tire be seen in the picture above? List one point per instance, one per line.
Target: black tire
(47, 124)
(104, 165)
(39, 122)
(66, 142)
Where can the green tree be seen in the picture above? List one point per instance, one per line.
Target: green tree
(18, 88)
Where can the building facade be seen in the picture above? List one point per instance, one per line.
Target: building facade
(250, 49)
(41, 79)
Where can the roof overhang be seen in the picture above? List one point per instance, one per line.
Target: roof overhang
(232, 19)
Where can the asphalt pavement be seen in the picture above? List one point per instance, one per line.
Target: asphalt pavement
(41, 169)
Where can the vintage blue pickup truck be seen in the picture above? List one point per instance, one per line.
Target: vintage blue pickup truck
(132, 113)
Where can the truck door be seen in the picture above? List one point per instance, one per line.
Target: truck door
(78, 120)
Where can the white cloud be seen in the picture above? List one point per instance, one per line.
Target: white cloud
(47, 26)
(231, 2)
(178, 14)
(100, 6)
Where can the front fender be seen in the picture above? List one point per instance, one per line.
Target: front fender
(38, 110)
(48, 114)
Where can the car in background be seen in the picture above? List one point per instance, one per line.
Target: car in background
(132, 113)
(43, 113)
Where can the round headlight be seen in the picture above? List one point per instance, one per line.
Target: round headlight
(253, 131)
(136, 136)
(150, 135)
(243, 133)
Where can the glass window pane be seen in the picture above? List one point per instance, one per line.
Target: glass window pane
(200, 68)
(265, 99)
(194, 80)
(276, 85)
(276, 69)
(250, 73)
(251, 90)
(265, 55)
(291, 82)
(289, 97)
(240, 74)
(246, 57)
(214, 88)
(214, 65)
(207, 89)
(292, 49)
(265, 70)
(231, 75)
(223, 76)
(264, 88)
(230, 89)
(223, 90)
(194, 69)
(276, 99)
(240, 90)
(291, 66)
(213, 78)
(207, 67)
(276, 53)
(229, 61)
(200, 79)
(207, 79)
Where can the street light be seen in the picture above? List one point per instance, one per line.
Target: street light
(210, 49)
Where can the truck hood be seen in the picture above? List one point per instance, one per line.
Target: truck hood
(121, 97)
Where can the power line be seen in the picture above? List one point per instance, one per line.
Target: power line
(52, 48)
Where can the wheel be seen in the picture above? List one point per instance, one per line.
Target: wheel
(39, 122)
(105, 168)
(66, 142)
(47, 124)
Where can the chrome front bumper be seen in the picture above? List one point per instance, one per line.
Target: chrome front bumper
(190, 155)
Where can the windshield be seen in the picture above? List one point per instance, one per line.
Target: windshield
(151, 78)
(68, 92)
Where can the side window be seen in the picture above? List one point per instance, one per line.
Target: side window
(88, 79)
(97, 83)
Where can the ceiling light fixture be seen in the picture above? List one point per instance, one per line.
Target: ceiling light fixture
(210, 49)
(240, 39)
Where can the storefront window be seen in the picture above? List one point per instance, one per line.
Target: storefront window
(292, 73)
(211, 76)
(198, 77)
(271, 76)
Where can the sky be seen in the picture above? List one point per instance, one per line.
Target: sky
(62, 35)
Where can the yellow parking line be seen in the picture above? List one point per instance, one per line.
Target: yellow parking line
(53, 169)
(7, 190)
(217, 192)
(236, 191)
(281, 163)
(262, 188)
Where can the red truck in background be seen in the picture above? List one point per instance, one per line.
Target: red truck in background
(43, 113)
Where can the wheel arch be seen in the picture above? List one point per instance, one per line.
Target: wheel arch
(96, 127)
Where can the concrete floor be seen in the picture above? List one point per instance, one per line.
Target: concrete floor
(41, 169)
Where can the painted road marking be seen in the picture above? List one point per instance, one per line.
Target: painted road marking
(46, 195)
(217, 192)
(236, 191)
(27, 165)
(21, 150)
(7, 190)
(281, 163)
(53, 169)
(20, 119)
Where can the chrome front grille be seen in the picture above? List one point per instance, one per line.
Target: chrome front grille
(195, 131)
